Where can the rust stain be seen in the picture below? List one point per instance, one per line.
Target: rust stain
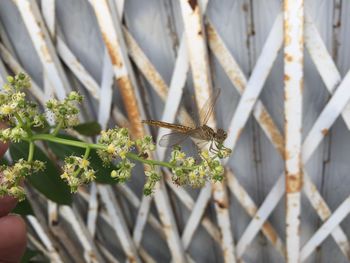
(322, 209)
(223, 204)
(274, 133)
(287, 37)
(46, 54)
(113, 51)
(325, 132)
(131, 106)
(293, 183)
(221, 52)
(270, 233)
(319, 205)
(131, 258)
(156, 80)
(288, 57)
(193, 4)
(239, 133)
(301, 85)
(286, 77)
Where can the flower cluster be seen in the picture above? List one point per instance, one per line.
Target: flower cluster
(65, 112)
(152, 178)
(145, 144)
(117, 142)
(77, 171)
(16, 111)
(13, 134)
(123, 171)
(188, 171)
(114, 146)
(13, 175)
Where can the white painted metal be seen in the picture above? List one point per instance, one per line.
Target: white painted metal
(54, 255)
(119, 225)
(91, 254)
(199, 62)
(42, 43)
(256, 82)
(293, 87)
(337, 217)
(16, 67)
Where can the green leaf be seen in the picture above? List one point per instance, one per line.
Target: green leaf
(30, 256)
(102, 173)
(23, 208)
(3, 161)
(47, 182)
(88, 128)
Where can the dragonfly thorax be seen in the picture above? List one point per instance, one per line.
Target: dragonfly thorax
(207, 133)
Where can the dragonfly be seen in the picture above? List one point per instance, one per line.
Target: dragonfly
(200, 132)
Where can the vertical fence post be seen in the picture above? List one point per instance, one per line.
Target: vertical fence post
(293, 86)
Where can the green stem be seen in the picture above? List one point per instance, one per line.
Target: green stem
(87, 152)
(25, 126)
(133, 156)
(57, 128)
(150, 162)
(86, 156)
(51, 138)
(19, 119)
(31, 151)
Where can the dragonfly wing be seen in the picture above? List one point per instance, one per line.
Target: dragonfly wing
(172, 139)
(208, 107)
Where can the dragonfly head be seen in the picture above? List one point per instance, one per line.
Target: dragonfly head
(220, 136)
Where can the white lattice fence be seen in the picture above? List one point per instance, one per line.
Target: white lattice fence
(293, 33)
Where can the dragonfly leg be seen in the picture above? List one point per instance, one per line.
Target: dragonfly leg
(213, 149)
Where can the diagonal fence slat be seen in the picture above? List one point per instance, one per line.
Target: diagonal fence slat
(328, 226)
(13, 64)
(324, 122)
(43, 45)
(264, 119)
(323, 62)
(91, 254)
(52, 252)
(256, 82)
(264, 211)
(119, 224)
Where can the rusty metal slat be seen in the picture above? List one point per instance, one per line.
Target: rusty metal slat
(239, 81)
(326, 119)
(119, 224)
(112, 34)
(256, 82)
(293, 86)
(250, 207)
(322, 233)
(199, 63)
(43, 46)
(275, 194)
(149, 71)
(121, 65)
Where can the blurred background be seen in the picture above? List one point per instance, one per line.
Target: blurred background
(92, 46)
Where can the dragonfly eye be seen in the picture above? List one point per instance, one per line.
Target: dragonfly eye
(221, 135)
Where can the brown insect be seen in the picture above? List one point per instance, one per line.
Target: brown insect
(201, 133)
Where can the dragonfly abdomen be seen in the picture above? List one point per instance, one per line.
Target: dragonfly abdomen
(171, 126)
